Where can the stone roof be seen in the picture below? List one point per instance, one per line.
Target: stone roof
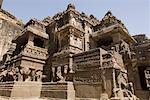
(141, 39)
(108, 20)
(91, 19)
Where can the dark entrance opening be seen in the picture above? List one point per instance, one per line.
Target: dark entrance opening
(141, 70)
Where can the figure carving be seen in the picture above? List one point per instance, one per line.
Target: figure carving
(59, 74)
(3, 75)
(104, 96)
(19, 74)
(38, 76)
(33, 75)
(124, 86)
(72, 20)
(125, 49)
(26, 74)
(65, 71)
(103, 80)
(122, 79)
(53, 74)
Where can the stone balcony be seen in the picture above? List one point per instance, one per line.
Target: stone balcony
(89, 60)
(35, 52)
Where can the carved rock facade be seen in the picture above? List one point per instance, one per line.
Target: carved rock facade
(72, 46)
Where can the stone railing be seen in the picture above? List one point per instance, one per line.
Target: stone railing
(36, 52)
(89, 59)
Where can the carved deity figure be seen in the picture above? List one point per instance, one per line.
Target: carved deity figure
(26, 73)
(122, 80)
(125, 49)
(38, 75)
(33, 75)
(65, 71)
(19, 74)
(59, 74)
(53, 74)
(72, 20)
(10, 75)
(125, 86)
(7, 75)
(3, 75)
(104, 96)
(103, 80)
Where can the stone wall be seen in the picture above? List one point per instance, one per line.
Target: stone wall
(140, 63)
(8, 31)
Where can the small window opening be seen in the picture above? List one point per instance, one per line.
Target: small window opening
(38, 42)
(105, 42)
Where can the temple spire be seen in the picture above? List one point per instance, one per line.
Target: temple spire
(70, 6)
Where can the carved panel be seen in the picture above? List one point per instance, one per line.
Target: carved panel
(35, 52)
(89, 60)
(76, 41)
(88, 78)
(147, 76)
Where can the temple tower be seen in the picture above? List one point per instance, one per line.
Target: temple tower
(31, 52)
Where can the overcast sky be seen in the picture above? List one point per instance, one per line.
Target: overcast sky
(135, 14)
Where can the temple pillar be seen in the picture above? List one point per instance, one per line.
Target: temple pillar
(53, 74)
(87, 45)
(71, 64)
(30, 40)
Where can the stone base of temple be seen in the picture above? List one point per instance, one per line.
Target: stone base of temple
(20, 89)
(58, 91)
(54, 91)
(88, 91)
(36, 91)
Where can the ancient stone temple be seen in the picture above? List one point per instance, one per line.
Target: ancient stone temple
(75, 56)
(31, 52)
(140, 72)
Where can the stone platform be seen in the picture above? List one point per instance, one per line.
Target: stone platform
(59, 91)
(37, 91)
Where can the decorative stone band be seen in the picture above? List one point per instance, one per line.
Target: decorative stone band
(36, 52)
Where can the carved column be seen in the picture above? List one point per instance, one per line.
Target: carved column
(71, 64)
(103, 80)
(20, 75)
(30, 40)
(65, 71)
(114, 83)
(53, 74)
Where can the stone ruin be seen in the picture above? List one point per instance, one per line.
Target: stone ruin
(75, 53)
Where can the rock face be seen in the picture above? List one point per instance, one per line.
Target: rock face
(9, 28)
(96, 56)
